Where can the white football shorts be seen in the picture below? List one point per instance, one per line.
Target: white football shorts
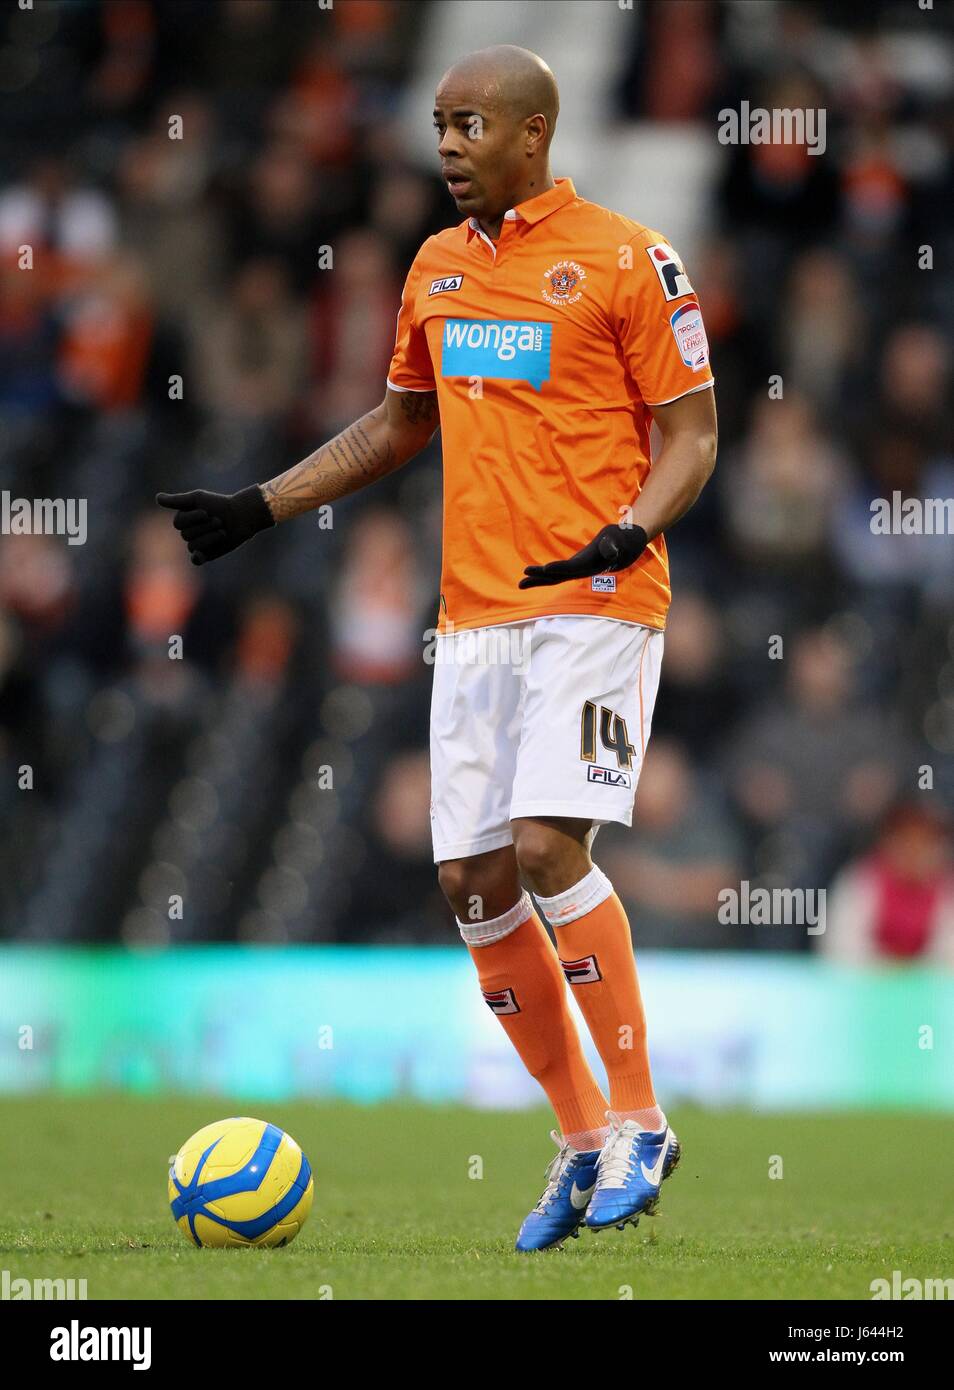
(549, 717)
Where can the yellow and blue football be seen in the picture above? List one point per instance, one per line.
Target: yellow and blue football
(240, 1182)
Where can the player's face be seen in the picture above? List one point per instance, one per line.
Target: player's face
(480, 150)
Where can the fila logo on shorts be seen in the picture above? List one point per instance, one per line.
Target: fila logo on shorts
(608, 776)
(581, 972)
(501, 1001)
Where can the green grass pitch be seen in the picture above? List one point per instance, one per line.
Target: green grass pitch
(398, 1216)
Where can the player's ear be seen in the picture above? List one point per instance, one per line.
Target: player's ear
(536, 134)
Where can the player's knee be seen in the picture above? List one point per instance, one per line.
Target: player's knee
(539, 851)
(454, 876)
(481, 886)
(552, 857)
(466, 889)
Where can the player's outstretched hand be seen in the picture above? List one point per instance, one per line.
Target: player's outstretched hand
(213, 523)
(615, 548)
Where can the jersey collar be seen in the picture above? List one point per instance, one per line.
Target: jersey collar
(534, 209)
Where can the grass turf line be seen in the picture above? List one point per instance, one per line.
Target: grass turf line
(397, 1216)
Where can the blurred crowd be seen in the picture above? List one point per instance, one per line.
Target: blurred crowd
(204, 310)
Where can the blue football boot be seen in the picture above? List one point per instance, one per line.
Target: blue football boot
(633, 1164)
(559, 1213)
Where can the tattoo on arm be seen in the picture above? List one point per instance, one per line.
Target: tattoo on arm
(359, 455)
(419, 407)
(340, 467)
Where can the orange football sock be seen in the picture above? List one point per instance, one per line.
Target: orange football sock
(522, 982)
(596, 953)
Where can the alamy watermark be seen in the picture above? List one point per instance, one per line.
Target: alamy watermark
(754, 125)
(773, 907)
(76, 1343)
(479, 646)
(17, 1290)
(897, 1287)
(44, 516)
(912, 516)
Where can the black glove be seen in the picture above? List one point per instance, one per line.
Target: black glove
(615, 548)
(213, 523)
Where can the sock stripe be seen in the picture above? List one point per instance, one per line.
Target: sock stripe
(486, 933)
(577, 901)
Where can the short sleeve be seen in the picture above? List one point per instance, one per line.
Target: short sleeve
(659, 322)
(411, 367)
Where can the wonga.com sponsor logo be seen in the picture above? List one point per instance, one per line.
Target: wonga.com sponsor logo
(497, 349)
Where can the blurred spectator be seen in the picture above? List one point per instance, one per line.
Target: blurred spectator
(28, 337)
(376, 636)
(776, 191)
(915, 380)
(107, 339)
(897, 463)
(276, 213)
(266, 641)
(875, 193)
(37, 583)
(398, 853)
(897, 901)
(250, 44)
(160, 589)
(128, 34)
(823, 328)
(683, 850)
(353, 328)
(68, 228)
(166, 214)
(698, 701)
(674, 62)
(818, 766)
(320, 108)
(250, 351)
(779, 491)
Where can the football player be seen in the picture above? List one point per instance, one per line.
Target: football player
(544, 334)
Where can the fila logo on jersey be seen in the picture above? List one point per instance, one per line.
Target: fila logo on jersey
(497, 349)
(669, 268)
(690, 335)
(603, 584)
(581, 972)
(607, 776)
(449, 282)
(501, 1001)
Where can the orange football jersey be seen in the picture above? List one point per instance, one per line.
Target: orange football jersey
(546, 350)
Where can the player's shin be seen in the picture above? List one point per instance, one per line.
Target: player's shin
(596, 953)
(522, 983)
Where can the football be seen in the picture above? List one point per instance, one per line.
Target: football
(240, 1182)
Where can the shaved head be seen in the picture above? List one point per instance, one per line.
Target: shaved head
(496, 111)
(512, 80)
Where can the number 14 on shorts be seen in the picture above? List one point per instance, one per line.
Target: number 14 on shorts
(612, 732)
